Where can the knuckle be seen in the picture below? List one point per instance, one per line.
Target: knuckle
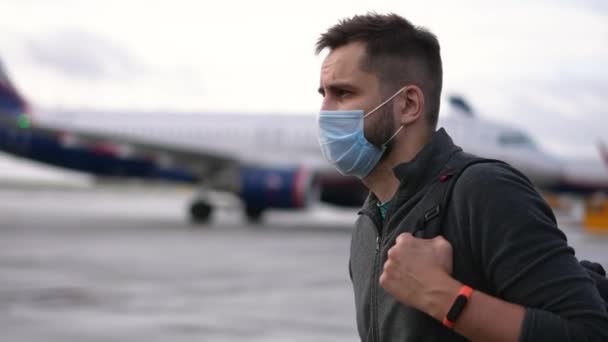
(442, 243)
(388, 266)
(448, 247)
(384, 281)
(404, 238)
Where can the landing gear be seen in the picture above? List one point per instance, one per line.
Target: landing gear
(254, 214)
(200, 211)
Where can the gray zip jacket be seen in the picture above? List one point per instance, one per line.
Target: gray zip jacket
(506, 244)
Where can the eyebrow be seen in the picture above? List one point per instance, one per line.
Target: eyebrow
(337, 85)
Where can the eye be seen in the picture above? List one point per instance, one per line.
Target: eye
(343, 92)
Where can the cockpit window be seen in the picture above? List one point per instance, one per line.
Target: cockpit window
(516, 139)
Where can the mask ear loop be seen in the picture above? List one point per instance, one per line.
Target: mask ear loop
(393, 136)
(383, 103)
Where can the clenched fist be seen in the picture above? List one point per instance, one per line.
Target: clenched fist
(418, 271)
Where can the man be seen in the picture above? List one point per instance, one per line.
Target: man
(502, 269)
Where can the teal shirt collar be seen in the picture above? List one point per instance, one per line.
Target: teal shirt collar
(384, 208)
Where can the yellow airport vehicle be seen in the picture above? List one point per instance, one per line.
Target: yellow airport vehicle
(596, 215)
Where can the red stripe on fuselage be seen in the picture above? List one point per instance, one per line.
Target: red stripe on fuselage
(104, 149)
(299, 184)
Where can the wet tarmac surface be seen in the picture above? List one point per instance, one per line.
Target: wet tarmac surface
(111, 264)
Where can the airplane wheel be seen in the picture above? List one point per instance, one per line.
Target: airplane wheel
(254, 214)
(200, 212)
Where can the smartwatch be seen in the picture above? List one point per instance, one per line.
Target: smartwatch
(459, 303)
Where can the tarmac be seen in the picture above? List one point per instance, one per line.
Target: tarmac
(115, 263)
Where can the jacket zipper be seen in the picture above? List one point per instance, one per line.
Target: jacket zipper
(374, 283)
(381, 226)
(374, 306)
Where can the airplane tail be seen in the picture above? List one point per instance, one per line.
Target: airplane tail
(11, 102)
(461, 105)
(603, 151)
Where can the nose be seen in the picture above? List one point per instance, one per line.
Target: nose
(329, 103)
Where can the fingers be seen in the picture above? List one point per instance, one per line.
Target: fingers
(385, 281)
(389, 275)
(414, 261)
(408, 244)
(390, 267)
(391, 271)
(393, 252)
(404, 238)
(402, 243)
(442, 245)
(407, 247)
(444, 252)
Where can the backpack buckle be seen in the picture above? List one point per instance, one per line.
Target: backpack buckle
(432, 213)
(445, 177)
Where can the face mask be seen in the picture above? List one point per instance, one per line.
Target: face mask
(343, 143)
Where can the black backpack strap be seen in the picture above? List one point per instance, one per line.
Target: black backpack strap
(424, 219)
(598, 274)
(436, 201)
(438, 196)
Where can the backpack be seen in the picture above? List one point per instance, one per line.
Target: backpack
(432, 207)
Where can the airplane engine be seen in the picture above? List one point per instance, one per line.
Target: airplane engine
(342, 191)
(285, 188)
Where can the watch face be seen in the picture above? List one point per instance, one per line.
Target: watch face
(456, 308)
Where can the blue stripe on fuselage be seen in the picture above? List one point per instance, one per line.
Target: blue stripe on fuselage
(10, 102)
(47, 149)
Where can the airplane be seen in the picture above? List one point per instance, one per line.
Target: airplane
(268, 161)
(549, 173)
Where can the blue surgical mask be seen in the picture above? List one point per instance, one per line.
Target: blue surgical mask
(343, 143)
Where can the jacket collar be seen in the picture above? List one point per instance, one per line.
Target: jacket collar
(429, 161)
(421, 170)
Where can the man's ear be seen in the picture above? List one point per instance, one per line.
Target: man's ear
(411, 105)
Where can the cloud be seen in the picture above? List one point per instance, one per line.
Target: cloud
(593, 6)
(83, 56)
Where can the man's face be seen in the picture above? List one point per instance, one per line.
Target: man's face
(345, 86)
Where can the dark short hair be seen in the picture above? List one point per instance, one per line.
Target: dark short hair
(397, 51)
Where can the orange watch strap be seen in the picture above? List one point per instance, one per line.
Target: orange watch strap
(464, 294)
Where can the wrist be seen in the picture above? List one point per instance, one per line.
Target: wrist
(440, 297)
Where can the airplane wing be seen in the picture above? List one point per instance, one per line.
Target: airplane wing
(259, 186)
(203, 166)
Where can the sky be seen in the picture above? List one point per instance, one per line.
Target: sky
(538, 65)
